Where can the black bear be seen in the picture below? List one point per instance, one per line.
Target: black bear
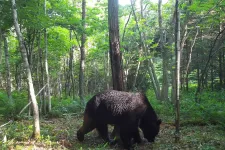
(126, 110)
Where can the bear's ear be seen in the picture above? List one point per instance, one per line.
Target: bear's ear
(159, 121)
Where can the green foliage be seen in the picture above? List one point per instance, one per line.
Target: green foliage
(163, 109)
(10, 110)
(210, 110)
(66, 106)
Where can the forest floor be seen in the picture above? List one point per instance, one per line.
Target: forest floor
(60, 133)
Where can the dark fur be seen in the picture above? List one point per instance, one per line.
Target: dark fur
(123, 109)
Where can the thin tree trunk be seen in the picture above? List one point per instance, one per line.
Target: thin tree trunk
(140, 50)
(178, 54)
(165, 84)
(106, 69)
(190, 54)
(59, 85)
(0, 46)
(36, 127)
(71, 74)
(41, 75)
(1, 84)
(18, 77)
(46, 67)
(82, 54)
(7, 64)
(212, 75)
(151, 68)
(223, 62)
(221, 67)
(114, 43)
(220, 70)
(136, 74)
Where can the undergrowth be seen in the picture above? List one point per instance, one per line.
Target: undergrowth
(210, 110)
(60, 132)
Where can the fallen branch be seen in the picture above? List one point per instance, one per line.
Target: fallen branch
(30, 101)
(6, 123)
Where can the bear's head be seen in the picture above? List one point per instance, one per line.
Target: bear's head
(150, 129)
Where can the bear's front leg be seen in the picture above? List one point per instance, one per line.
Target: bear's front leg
(103, 132)
(126, 135)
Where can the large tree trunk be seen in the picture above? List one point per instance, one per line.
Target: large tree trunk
(7, 64)
(177, 84)
(114, 44)
(36, 127)
(46, 67)
(115, 54)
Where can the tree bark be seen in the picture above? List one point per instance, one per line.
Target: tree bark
(41, 76)
(18, 76)
(71, 74)
(46, 67)
(36, 127)
(177, 85)
(165, 84)
(7, 65)
(82, 54)
(114, 44)
(1, 84)
(0, 46)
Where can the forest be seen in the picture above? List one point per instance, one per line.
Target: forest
(55, 55)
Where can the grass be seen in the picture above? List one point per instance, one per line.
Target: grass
(202, 126)
(60, 133)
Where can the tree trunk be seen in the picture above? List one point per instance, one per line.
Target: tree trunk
(46, 67)
(212, 76)
(141, 49)
(18, 76)
(155, 82)
(220, 70)
(71, 74)
(114, 44)
(190, 55)
(150, 65)
(82, 54)
(106, 69)
(165, 84)
(223, 62)
(177, 85)
(7, 64)
(1, 84)
(36, 127)
(41, 75)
